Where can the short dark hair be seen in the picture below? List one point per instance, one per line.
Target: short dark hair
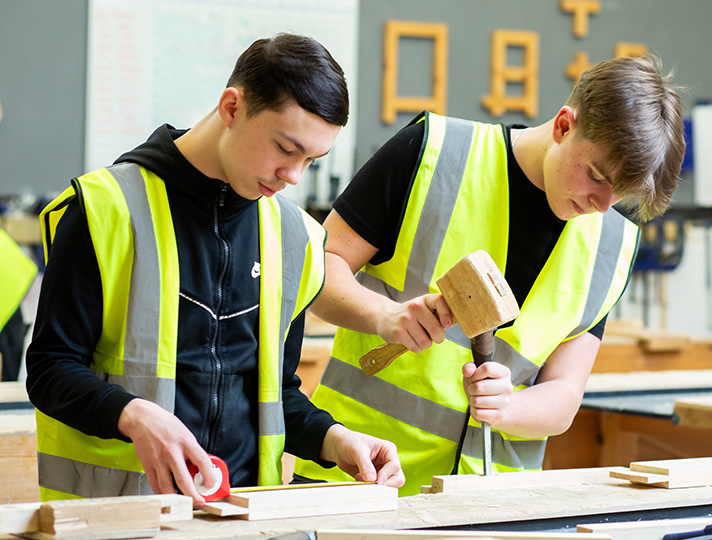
(631, 108)
(287, 67)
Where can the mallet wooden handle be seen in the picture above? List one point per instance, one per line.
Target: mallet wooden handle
(380, 357)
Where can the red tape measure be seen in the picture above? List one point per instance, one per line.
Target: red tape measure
(221, 488)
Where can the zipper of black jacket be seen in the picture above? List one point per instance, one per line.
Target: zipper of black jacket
(214, 412)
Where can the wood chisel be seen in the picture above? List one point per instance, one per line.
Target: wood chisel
(480, 300)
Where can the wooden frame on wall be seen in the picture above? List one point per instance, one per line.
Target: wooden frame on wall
(392, 102)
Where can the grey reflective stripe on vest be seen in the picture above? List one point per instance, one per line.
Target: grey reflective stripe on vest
(435, 217)
(604, 268)
(144, 305)
(295, 239)
(427, 415)
(393, 400)
(84, 480)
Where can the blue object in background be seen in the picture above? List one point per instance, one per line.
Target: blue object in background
(688, 162)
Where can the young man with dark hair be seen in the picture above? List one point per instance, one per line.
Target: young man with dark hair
(538, 200)
(171, 314)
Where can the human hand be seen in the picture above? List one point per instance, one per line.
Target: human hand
(366, 458)
(163, 446)
(488, 389)
(417, 323)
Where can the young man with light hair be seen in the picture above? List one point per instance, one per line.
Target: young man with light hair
(539, 201)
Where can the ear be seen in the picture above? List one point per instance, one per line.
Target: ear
(231, 105)
(564, 122)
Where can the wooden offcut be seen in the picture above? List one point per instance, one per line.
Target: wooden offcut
(316, 500)
(394, 103)
(669, 473)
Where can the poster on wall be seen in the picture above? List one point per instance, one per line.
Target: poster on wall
(152, 62)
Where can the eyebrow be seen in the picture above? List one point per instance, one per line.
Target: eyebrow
(299, 145)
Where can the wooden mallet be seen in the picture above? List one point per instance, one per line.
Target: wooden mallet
(478, 297)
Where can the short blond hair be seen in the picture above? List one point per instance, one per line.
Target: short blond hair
(634, 111)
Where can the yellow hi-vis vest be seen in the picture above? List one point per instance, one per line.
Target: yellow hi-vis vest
(16, 274)
(132, 232)
(458, 206)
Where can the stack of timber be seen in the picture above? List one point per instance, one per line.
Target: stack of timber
(95, 519)
(299, 500)
(18, 446)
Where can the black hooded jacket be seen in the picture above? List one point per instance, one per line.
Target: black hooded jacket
(216, 381)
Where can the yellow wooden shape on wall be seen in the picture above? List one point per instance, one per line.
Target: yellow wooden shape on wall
(392, 102)
(630, 49)
(581, 9)
(578, 66)
(498, 102)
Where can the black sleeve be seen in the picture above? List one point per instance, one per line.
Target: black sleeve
(306, 425)
(374, 201)
(67, 328)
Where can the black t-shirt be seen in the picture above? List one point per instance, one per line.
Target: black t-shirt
(374, 202)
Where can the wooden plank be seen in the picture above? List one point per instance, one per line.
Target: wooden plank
(12, 392)
(694, 412)
(282, 487)
(676, 379)
(316, 500)
(365, 534)
(645, 530)
(469, 482)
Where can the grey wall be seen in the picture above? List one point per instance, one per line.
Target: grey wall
(43, 68)
(677, 31)
(42, 91)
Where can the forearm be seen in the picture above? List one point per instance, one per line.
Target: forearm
(541, 410)
(548, 407)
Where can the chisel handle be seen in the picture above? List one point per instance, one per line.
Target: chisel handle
(482, 347)
(380, 357)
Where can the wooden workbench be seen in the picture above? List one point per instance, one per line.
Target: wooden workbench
(490, 507)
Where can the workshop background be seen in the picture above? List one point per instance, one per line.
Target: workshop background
(81, 81)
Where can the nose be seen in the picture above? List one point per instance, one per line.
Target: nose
(290, 173)
(603, 199)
